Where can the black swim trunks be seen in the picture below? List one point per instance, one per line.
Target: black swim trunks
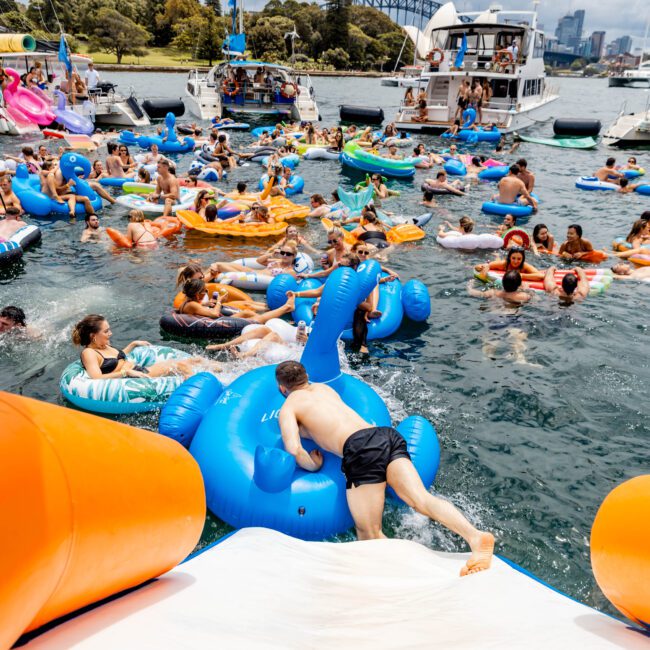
(368, 452)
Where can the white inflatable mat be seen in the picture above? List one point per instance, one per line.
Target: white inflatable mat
(262, 589)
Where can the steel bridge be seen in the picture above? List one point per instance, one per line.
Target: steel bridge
(405, 12)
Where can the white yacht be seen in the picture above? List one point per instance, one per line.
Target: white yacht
(105, 105)
(629, 129)
(230, 89)
(503, 47)
(629, 78)
(411, 77)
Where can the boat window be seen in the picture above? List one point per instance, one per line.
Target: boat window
(532, 87)
(499, 88)
(538, 52)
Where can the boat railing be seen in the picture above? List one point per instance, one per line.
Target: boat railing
(249, 92)
(479, 59)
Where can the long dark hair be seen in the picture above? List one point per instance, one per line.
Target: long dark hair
(513, 250)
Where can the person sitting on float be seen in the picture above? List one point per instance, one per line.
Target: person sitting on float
(575, 246)
(631, 164)
(638, 236)
(510, 291)
(515, 260)
(371, 230)
(509, 221)
(338, 248)
(423, 112)
(453, 129)
(102, 361)
(197, 303)
(319, 206)
(281, 261)
(292, 234)
(442, 186)
(465, 227)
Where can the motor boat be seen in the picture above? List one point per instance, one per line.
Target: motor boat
(629, 129)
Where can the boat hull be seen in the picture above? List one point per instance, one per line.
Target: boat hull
(628, 82)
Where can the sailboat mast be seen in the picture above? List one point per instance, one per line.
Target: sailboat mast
(241, 16)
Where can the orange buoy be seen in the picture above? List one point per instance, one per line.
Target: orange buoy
(90, 507)
(620, 548)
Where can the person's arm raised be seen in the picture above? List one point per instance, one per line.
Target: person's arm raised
(311, 462)
(583, 283)
(549, 280)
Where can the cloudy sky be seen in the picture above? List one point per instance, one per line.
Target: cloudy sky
(616, 17)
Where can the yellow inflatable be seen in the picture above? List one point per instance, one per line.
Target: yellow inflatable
(399, 234)
(620, 548)
(192, 220)
(229, 295)
(90, 507)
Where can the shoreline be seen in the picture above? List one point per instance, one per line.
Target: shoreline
(131, 67)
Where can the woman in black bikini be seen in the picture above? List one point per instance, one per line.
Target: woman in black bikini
(101, 361)
(371, 231)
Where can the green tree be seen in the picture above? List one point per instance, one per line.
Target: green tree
(49, 13)
(337, 57)
(118, 35)
(337, 18)
(89, 12)
(175, 13)
(200, 35)
(266, 38)
(578, 64)
(150, 13)
(215, 6)
(357, 45)
(16, 20)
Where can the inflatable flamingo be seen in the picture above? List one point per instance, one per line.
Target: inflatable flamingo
(26, 103)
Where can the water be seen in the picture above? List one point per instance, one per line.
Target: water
(529, 449)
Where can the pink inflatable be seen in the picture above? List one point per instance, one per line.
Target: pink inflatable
(24, 103)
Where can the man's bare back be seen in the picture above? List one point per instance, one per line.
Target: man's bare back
(323, 417)
(509, 188)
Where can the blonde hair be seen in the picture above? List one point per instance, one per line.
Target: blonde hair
(335, 231)
(186, 272)
(136, 216)
(291, 244)
(466, 224)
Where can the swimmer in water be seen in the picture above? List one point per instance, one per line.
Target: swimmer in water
(575, 247)
(543, 241)
(12, 319)
(441, 186)
(638, 237)
(465, 227)
(509, 221)
(608, 173)
(93, 231)
(11, 224)
(574, 286)
(138, 232)
(513, 190)
(316, 411)
(511, 291)
(515, 261)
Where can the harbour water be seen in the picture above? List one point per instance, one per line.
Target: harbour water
(533, 439)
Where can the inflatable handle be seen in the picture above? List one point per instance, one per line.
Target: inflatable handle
(338, 302)
(60, 102)
(184, 410)
(469, 115)
(276, 293)
(274, 469)
(170, 123)
(472, 138)
(423, 447)
(416, 301)
(368, 274)
(70, 165)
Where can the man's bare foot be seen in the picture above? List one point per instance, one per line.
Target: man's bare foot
(482, 551)
(374, 314)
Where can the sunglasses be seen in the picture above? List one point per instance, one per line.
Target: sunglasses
(361, 252)
(286, 253)
(332, 241)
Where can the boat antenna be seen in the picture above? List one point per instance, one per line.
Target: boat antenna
(56, 16)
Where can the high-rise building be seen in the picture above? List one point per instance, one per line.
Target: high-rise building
(569, 29)
(624, 44)
(597, 44)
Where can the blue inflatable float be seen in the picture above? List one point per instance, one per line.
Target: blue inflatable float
(167, 141)
(296, 184)
(495, 173)
(291, 160)
(455, 167)
(74, 167)
(515, 209)
(251, 481)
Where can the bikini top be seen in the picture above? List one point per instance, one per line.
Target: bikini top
(109, 364)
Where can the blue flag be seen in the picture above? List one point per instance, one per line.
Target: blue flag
(64, 55)
(235, 44)
(461, 52)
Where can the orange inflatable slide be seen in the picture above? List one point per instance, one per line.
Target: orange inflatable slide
(90, 507)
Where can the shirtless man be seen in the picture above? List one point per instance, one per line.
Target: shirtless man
(574, 288)
(575, 246)
(153, 157)
(512, 189)
(608, 174)
(441, 186)
(166, 188)
(7, 197)
(372, 457)
(526, 176)
(93, 231)
(58, 193)
(393, 153)
(11, 224)
(113, 162)
(626, 272)
(63, 190)
(511, 291)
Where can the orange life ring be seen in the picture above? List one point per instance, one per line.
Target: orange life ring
(430, 57)
(501, 54)
(228, 84)
(285, 86)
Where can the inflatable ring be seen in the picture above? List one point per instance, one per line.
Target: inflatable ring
(471, 241)
(431, 57)
(128, 395)
(289, 90)
(523, 238)
(230, 87)
(201, 327)
(640, 260)
(503, 57)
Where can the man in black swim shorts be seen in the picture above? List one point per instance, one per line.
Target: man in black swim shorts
(372, 458)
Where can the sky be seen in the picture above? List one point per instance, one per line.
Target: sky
(616, 17)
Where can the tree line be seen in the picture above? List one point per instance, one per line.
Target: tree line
(338, 35)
